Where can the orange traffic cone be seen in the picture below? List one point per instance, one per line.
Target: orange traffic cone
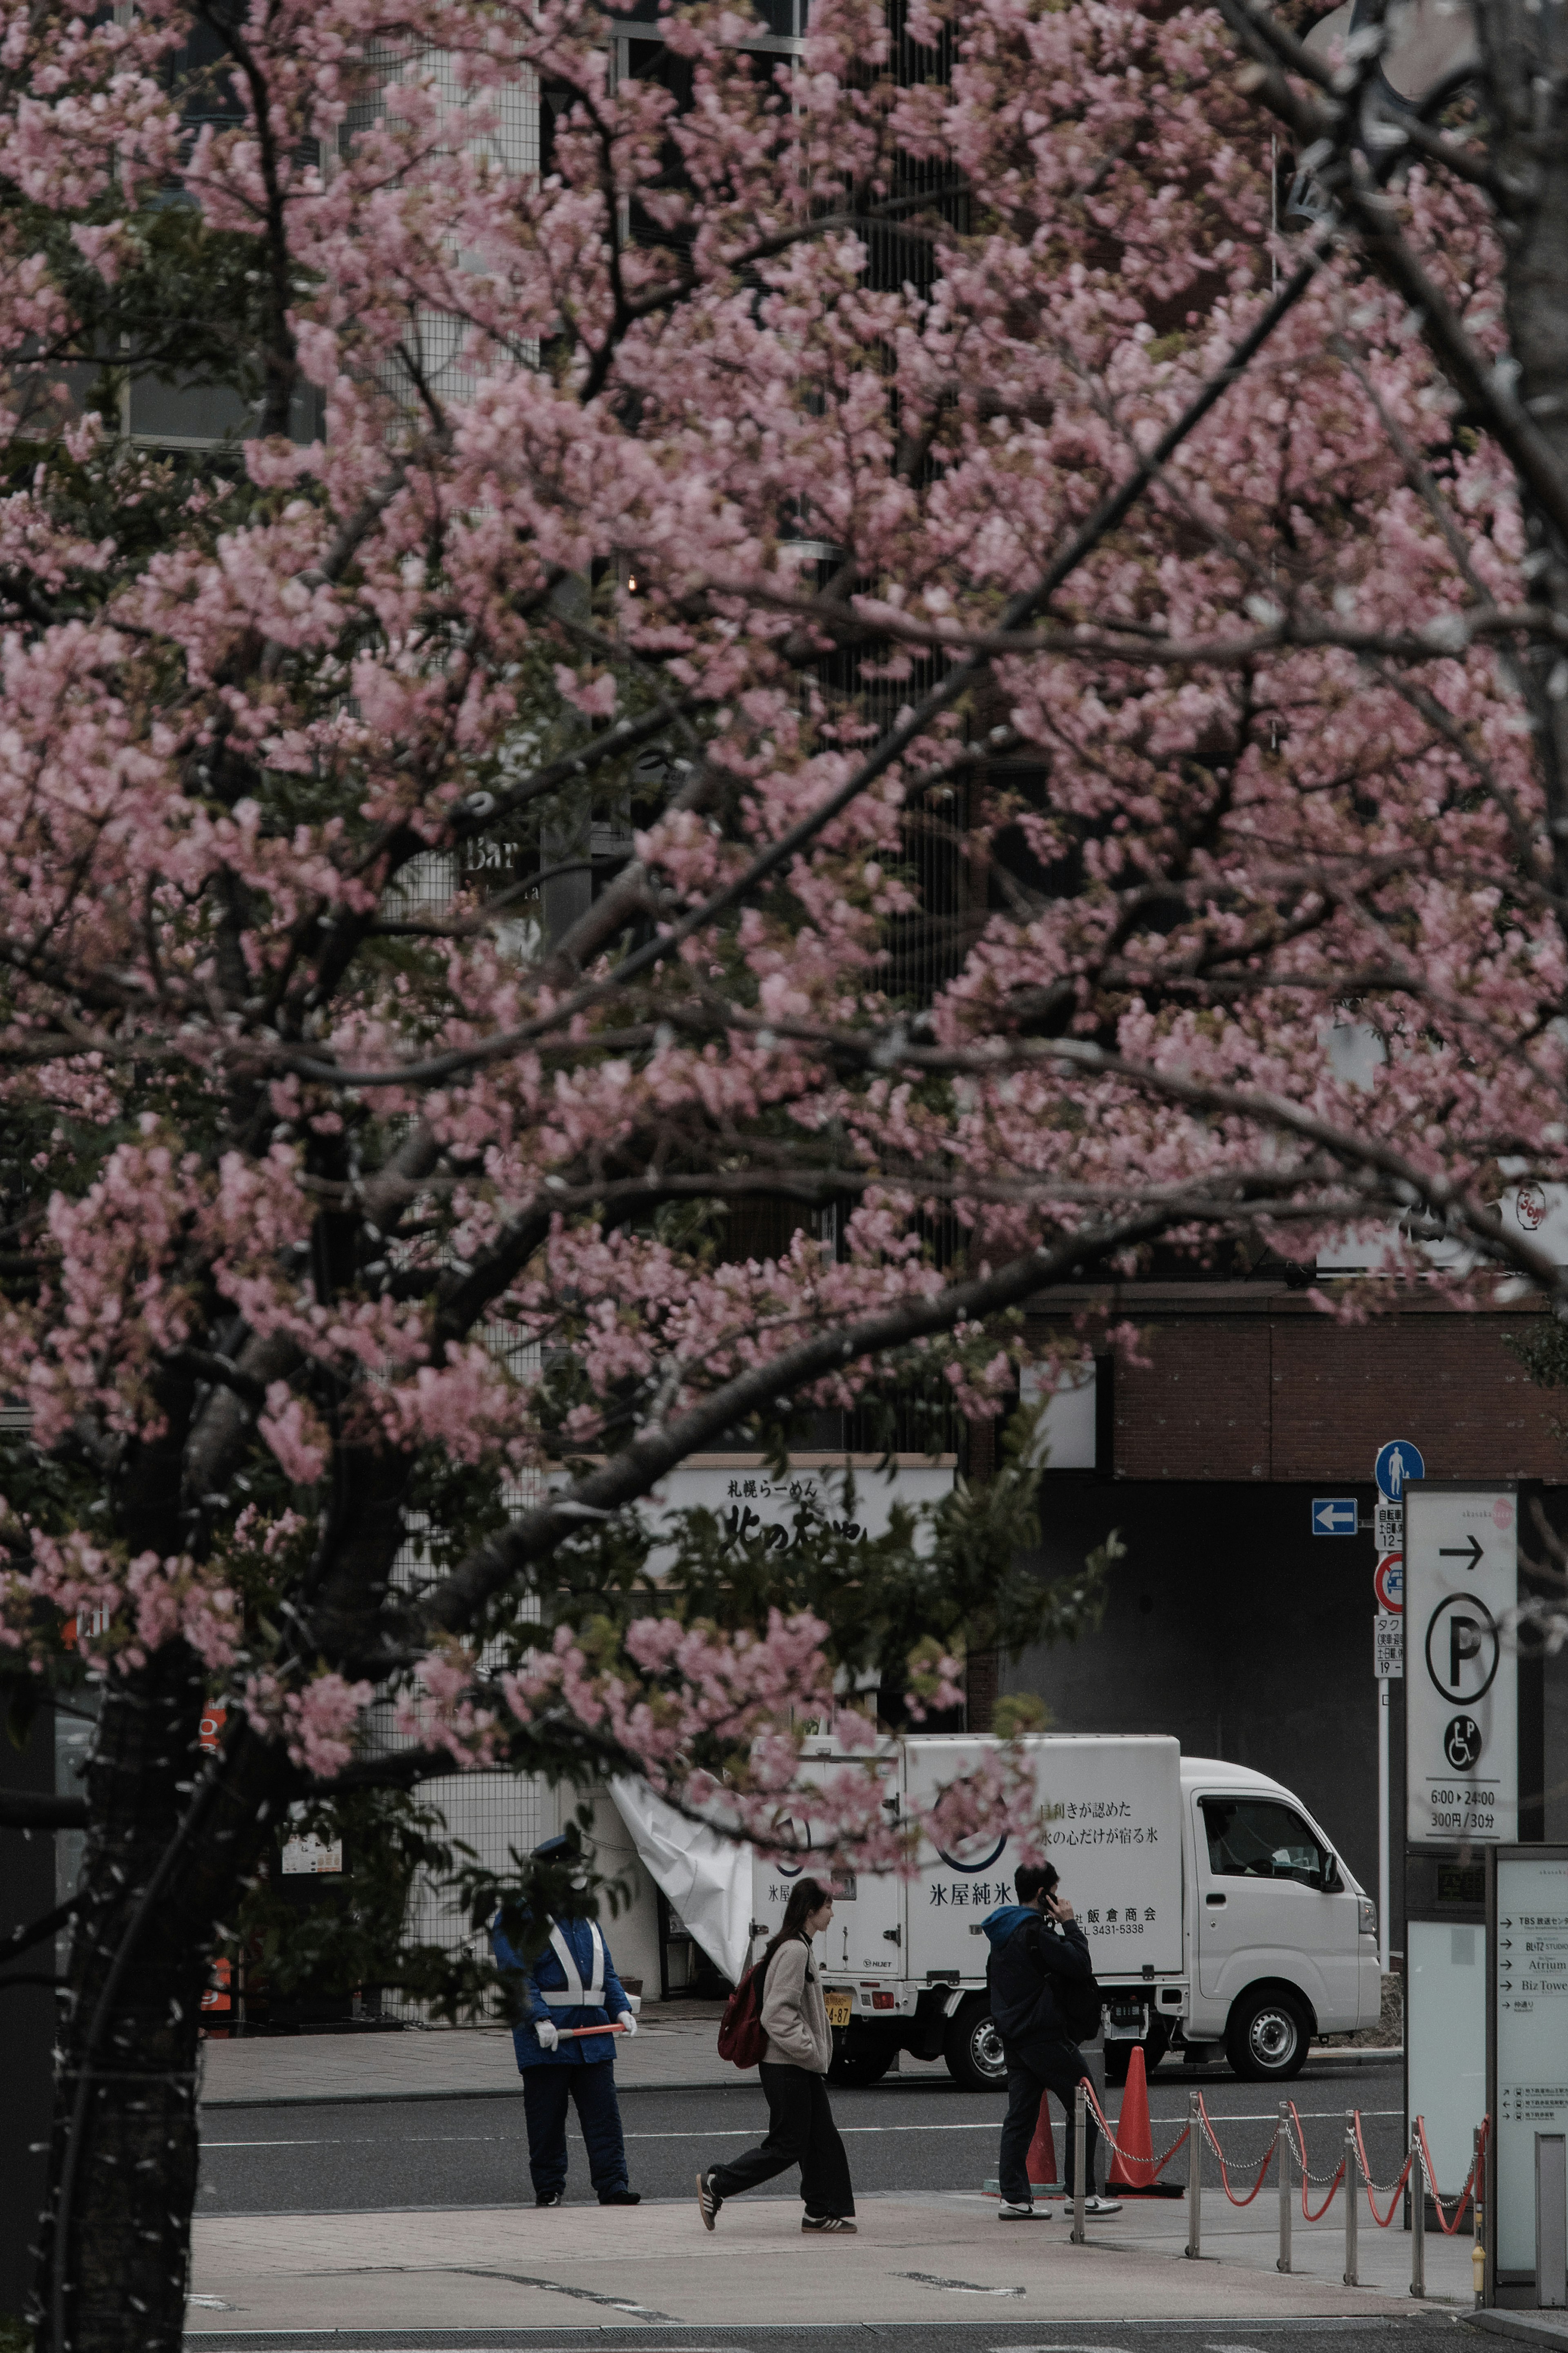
(1043, 2150)
(1132, 2166)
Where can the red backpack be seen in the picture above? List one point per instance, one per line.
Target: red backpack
(741, 2039)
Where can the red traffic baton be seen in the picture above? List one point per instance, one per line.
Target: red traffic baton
(575, 2033)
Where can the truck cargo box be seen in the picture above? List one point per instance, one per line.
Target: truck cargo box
(1112, 1807)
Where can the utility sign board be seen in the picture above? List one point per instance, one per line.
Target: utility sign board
(1397, 1465)
(1528, 2086)
(1461, 1690)
(1387, 1647)
(1333, 1516)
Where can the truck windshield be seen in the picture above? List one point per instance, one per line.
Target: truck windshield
(1257, 1838)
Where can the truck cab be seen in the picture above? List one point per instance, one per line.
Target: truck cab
(1281, 1941)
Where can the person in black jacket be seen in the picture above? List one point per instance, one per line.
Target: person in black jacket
(1036, 1945)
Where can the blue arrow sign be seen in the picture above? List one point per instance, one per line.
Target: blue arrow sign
(1333, 1516)
(1397, 1463)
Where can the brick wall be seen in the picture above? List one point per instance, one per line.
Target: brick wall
(1274, 1392)
(1294, 1398)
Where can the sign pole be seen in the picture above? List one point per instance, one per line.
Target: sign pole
(1384, 1840)
(1397, 1463)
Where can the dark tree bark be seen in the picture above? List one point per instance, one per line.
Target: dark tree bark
(123, 2161)
(172, 1837)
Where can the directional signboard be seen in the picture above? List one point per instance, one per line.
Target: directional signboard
(1461, 1714)
(1397, 1465)
(1527, 2089)
(1333, 1516)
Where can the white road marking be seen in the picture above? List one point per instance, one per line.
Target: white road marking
(748, 2132)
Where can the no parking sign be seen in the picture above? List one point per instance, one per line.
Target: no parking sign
(1388, 1581)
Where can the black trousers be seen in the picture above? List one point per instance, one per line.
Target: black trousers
(545, 2091)
(800, 2131)
(1033, 2070)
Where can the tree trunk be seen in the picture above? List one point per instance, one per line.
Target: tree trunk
(124, 2157)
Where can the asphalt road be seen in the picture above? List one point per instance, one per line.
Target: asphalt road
(912, 2135)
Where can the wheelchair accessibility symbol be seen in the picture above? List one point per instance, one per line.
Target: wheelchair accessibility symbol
(1462, 1744)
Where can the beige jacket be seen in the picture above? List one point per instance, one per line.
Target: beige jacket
(794, 2015)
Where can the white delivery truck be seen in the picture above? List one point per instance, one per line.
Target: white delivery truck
(1217, 1914)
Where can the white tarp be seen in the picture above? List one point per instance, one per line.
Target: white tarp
(707, 1878)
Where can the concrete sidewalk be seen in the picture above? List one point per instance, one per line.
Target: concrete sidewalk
(674, 2050)
(675, 2047)
(916, 2258)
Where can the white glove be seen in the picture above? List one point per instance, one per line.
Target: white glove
(628, 2021)
(549, 2033)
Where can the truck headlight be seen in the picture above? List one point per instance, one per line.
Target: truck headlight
(1367, 1916)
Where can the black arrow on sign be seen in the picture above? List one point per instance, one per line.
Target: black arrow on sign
(1471, 1558)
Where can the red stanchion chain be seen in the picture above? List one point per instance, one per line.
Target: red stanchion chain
(1224, 2175)
(1154, 2165)
(1301, 2153)
(1383, 2220)
(1430, 2171)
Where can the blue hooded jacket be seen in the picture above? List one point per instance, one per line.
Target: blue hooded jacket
(1026, 1952)
(573, 1981)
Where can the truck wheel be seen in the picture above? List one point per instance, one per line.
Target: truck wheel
(861, 2063)
(972, 2048)
(1266, 2037)
(1117, 2059)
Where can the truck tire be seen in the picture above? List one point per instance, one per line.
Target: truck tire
(972, 2048)
(861, 2059)
(1265, 2036)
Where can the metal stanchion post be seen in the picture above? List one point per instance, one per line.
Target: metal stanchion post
(1283, 2140)
(1195, 2179)
(1080, 2185)
(1417, 2214)
(1351, 2206)
(1478, 2250)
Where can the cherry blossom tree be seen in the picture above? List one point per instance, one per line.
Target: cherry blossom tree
(923, 458)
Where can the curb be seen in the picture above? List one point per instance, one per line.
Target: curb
(478, 2092)
(1362, 2058)
(1543, 2329)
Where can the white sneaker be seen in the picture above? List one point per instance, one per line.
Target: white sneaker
(1102, 2205)
(1008, 2213)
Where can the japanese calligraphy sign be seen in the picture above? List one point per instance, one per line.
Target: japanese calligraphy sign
(751, 1505)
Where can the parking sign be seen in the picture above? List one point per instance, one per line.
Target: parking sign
(1461, 1694)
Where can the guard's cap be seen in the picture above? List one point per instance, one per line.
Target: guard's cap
(564, 1849)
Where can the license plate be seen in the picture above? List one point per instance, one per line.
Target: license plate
(839, 2007)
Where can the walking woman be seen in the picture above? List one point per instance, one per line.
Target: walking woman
(801, 2130)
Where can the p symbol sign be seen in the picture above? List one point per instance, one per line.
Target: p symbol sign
(1462, 1647)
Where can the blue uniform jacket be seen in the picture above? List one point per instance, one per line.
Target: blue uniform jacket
(573, 1981)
